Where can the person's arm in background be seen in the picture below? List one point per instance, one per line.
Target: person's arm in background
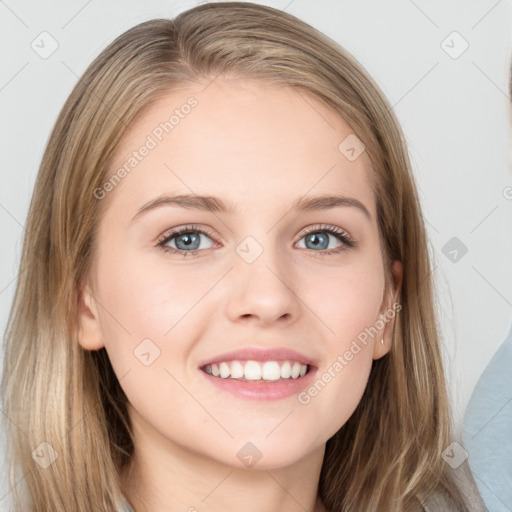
(488, 418)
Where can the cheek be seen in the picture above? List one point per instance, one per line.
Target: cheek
(348, 304)
(347, 300)
(155, 312)
(337, 389)
(147, 322)
(149, 298)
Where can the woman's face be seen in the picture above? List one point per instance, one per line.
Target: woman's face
(278, 270)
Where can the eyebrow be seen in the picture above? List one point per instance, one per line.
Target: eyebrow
(217, 205)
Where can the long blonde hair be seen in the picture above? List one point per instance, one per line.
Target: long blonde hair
(65, 402)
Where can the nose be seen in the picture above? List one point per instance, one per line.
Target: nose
(263, 291)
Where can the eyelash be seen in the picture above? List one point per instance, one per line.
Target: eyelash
(340, 234)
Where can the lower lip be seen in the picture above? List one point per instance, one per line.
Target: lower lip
(258, 390)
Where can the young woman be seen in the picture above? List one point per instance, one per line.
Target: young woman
(225, 298)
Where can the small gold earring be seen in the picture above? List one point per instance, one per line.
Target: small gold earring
(382, 341)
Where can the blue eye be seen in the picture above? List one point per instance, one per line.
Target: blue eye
(318, 237)
(187, 240)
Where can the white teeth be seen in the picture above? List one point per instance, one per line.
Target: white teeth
(286, 370)
(224, 370)
(271, 371)
(295, 370)
(254, 370)
(237, 370)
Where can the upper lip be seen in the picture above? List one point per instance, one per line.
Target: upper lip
(260, 354)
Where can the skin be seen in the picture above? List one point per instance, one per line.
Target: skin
(258, 146)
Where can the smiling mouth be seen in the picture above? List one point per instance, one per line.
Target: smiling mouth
(256, 371)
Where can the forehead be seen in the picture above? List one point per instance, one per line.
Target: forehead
(246, 141)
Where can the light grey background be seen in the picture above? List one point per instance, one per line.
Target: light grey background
(454, 112)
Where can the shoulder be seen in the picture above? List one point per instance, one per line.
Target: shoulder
(440, 501)
(126, 507)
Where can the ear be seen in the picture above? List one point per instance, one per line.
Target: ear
(388, 312)
(90, 335)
